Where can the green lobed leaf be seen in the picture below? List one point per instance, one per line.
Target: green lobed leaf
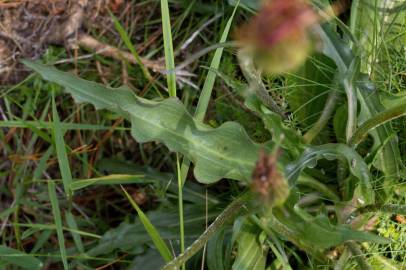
(223, 152)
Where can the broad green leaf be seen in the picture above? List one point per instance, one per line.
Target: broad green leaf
(251, 251)
(223, 152)
(17, 258)
(150, 260)
(218, 251)
(318, 232)
(388, 157)
(132, 237)
(334, 151)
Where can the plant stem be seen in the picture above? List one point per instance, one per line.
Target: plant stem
(324, 117)
(320, 187)
(228, 214)
(342, 261)
(383, 117)
(358, 255)
(254, 79)
(384, 208)
(180, 203)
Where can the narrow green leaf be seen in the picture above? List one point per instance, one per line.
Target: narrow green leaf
(41, 240)
(58, 222)
(152, 231)
(211, 76)
(114, 179)
(50, 125)
(70, 220)
(17, 258)
(54, 227)
(169, 56)
(42, 164)
(127, 41)
(60, 148)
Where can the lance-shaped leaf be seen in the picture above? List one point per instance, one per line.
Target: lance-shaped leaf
(223, 152)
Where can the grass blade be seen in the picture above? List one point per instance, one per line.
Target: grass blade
(211, 75)
(152, 231)
(205, 95)
(60, 148)
(70, 220)
(114, 179)
(58, 222)
(127, 41)
(169, 56)
(171, 81)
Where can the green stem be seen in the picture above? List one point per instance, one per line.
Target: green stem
(324, 117)
(384, 208)
(342, 180)
(180, 204)
(254, 80)
(313, 183)
(342, 262)
(358, 255)
(228, 214)
(383, 117)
